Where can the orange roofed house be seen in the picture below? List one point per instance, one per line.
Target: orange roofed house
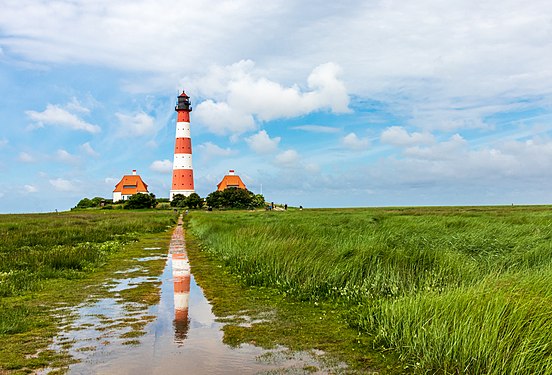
(128, 186)
(231, 181)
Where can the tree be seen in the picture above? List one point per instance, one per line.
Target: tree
(85, 203)
(194, 201)
(234, 198)
(214, 199)
(237, 198)
(97, 201)
(178, 200)
(258, 200)
(140, 200)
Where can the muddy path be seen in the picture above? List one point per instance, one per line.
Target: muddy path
(180, 334)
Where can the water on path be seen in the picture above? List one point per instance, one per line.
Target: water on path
(182, 335)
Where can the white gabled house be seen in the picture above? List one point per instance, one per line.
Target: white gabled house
(128, 186)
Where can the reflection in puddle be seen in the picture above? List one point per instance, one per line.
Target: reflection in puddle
(146, 259)
(184, 336)
(181, 285)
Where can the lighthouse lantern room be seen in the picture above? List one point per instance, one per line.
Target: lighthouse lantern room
(183, 174)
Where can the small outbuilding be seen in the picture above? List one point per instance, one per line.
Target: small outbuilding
(128, 186)
(231, 180)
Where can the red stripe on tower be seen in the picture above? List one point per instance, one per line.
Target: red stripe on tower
(183, 173)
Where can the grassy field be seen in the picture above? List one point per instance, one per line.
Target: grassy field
(445, 290)
(50, 261)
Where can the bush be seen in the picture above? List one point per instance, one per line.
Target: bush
(138, 201)
(194, 201)
(94, 202)
(85, 203)
(179, 200)
(191, 201)
(234, 198)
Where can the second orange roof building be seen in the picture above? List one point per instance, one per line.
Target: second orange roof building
(231, 180)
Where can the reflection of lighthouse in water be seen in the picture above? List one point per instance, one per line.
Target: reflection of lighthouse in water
(181, 277)
(181, 282)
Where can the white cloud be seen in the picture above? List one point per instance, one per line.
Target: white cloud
(440, 151)
(162, 166)
(61, 184)
(222, 119)
(261, 143)
(398, 136)
(209, 150)
(437, 65)
(269, 100)
(135, 125)
(76, 106)
(89, 150)
(3, 142)
(55, 115)
(66, 157)
(496, 47)
(30, 188)
(316, 128)
(240, 95)
(26, 157)
(353, 142)
(288, 158)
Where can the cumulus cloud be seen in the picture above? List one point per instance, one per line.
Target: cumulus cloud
(58, 116)
(89, 150)
(288, 158)
(261, 143)
(76, 106)
(64, 185)
(440, 151)
(209, 150)
(269, 100)
(398, 136)
(162, 166)
(316, 128)
(243, 96)
(26, 157)
(354, 142)
(222, 119)
(135, 125)
(66, 157)
(30, 188)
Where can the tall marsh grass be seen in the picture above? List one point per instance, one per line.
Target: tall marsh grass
(36, 247)
(451, 290)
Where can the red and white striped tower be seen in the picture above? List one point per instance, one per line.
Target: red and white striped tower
(183, 173)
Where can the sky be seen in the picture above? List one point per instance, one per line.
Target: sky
(337, 104)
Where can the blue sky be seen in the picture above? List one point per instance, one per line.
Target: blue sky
(353, 103)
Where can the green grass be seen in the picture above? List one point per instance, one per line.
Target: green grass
(447, 290)
(53, 261)
(37, 247)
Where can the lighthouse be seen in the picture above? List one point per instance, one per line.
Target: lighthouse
(183, 173)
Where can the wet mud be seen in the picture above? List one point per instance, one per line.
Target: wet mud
(180, 334)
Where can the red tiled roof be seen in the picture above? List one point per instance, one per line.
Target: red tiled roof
(131, 184)
(231, 181)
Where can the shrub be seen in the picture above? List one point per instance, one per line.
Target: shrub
(138, 201)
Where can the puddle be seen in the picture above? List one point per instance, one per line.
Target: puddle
(180, 334)
(133, 282)
(156, 257)
(130, 270)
